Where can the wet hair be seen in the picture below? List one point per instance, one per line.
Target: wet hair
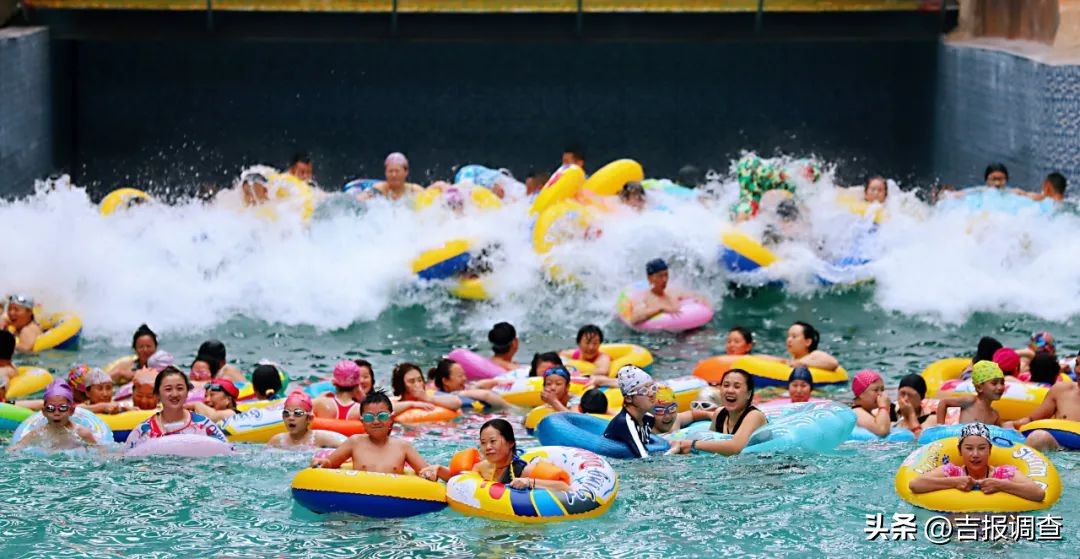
(877, 178)
(985, 350)
(594, 401)
(575, 150)
(690, 177)
(744, 332)
(168, 371)
(546, 357)
(502, 337)
(505, 429)
(301, 157)
(1057, 182)
(749, 382)
(1044, 368)
(810, 333)
(397, 380)
(996, 168)
(7, 345)
(266, 380)
(143, 330)
(365, 364)
(441, 372)
(590, 329)
(376, 396)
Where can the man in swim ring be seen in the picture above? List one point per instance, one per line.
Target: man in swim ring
(1062, 401)
(297, 415)
(375, 451)
(976, 472)
(219, 400)
(19, 320)
(7, 350)
(989, 383)
(59, 433)
(659, 299)
(633, 425)
(394, 187)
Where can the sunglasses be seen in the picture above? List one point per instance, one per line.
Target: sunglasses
(702, 405)
(369, 417)
(295, 413)
(62, 408)
(648, 391)
(668, 409)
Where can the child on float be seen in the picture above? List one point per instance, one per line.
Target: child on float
(59, 433)
(989, 384)
(737, 417)
(375, 451)
(352, 381)
(633, 425)
(219, 400)
(407, 382)
(450, 379)
(556, 392)
(266, 382)
(1062, 401)
(976, 472)
(589, 338)
(873, 411)
(800, 384)
(171, 387)
(501, 462)
(297, 415)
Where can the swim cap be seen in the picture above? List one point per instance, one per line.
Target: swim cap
(161, 359)
(984, 371)
(557, 370)
(915, 382)
(863, 379)
(59, 388)
(801, 373)
(1008, 360)
(974, 430)
(97, 376)
(633, 381)
(77, 378)
(655, 266)
(144, 377)
(225, 385)
(22, 300)
(664, 395)
(396, 158)
(346, 374)
(1042, 342)
(299, 400)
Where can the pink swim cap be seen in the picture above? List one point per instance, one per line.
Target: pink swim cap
(396, 158)
(299, 400)
(159, 360)
(1008, 360)
(59, 388)
(863, 379)
(346, 374)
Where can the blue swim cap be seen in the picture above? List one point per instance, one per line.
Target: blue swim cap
(655, 266)
(801, 373)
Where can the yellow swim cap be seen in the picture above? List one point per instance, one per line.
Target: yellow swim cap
(984, 371)
(665, 395)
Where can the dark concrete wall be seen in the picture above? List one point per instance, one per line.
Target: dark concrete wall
(183, 112)
(25, 109)
(996, 106)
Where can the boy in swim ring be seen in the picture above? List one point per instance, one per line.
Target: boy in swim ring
(871, 405)
(59, 433)
(19, 320)
(976, 472)
(504, 344)
(297, 415)
(556, 391)
(989, 384)
(374, 451)
(658, 298)
(589, 338)
(1062, 401)
(800, 384)
(219, 400)
(352, 381)
(633, 425)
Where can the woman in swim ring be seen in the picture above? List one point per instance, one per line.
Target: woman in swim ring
(501, 463)
(145, 343)
(976, 472)
(171, 387)
(740, 341)
(737, 417)
(802, 345)
(408, 384)
(219, 401)
(20, 321)
(450, 380)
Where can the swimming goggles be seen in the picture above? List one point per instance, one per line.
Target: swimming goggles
(668, 409)
(370, 417)
(22, 300)
(62, 408)
(702, 405)
(212, 387)
(647, 390)
(561, 371)
(295, 413)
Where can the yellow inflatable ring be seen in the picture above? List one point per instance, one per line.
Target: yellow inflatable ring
(620, 354)
(859, 207)
(593, 487)
(743, 254)
(472, 289)
(525, 392)
(1064, 431)
(774, 373)
(564, 184)
(442, 262)
(545, 233)
(481, 197)
(941, 371)
(60, 331)
(121, 198)
(287, 193)
(1027, 460)
(29, 381)
(609, 180)
(367, 493)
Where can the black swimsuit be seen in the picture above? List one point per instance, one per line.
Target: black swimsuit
(517, 467)
(721, 420)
